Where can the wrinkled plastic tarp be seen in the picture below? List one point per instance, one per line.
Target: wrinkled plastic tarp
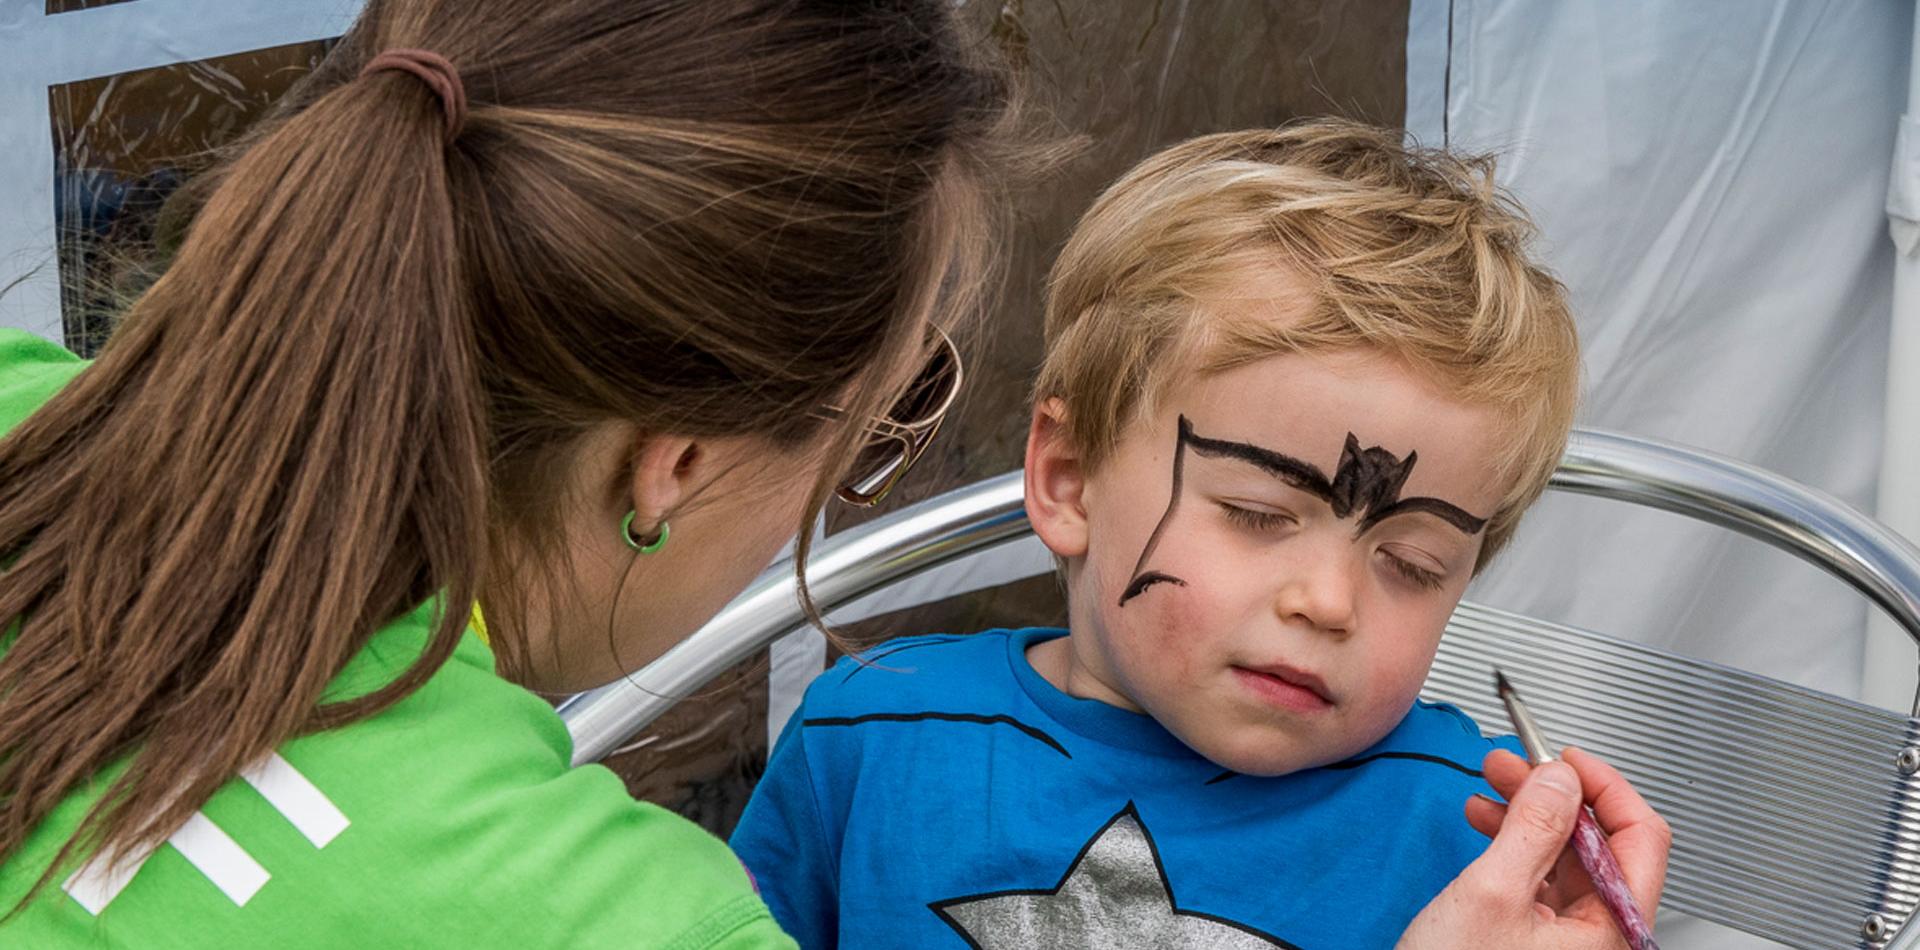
(123, 143)
(1710, 178)
(213, 61)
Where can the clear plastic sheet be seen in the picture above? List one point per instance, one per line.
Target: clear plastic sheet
(1710, 182)
(123, 143)
(1130, 78)
(703, 757)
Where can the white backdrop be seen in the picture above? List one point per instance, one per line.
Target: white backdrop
(1710, 177)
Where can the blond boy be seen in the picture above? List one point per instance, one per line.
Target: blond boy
(1299, 387)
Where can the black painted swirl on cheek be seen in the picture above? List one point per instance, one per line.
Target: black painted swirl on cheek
(1143, 579)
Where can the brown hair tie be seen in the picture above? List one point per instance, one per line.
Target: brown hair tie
(439, 75)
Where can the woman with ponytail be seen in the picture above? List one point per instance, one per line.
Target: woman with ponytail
(571, 311)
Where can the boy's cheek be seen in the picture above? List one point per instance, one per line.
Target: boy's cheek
(1171, 612)
(1398, 679)
(1158, 633)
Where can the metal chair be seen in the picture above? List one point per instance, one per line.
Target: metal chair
(1796, 814)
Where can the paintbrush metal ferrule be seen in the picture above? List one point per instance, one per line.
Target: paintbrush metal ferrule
(1531, 738)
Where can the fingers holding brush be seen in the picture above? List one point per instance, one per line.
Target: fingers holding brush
(1485, 814)
(1639, 837)
(1506, 772)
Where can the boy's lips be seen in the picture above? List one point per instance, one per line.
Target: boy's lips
(1286, 686)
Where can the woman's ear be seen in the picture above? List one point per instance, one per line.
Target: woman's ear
(1055, 482)
(666, 470)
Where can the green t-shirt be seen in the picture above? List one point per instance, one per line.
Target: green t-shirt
(451, 819)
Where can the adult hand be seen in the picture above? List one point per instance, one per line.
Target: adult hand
(1528, 890)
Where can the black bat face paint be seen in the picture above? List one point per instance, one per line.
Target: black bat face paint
(1366, 484)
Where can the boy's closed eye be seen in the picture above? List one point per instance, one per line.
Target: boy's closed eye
(1408, 562)
(1255, 516)
(1421, 569)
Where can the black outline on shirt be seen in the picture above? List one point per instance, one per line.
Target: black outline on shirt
(970, 718)
(1377, 756)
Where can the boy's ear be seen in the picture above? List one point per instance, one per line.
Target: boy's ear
(1056, 482)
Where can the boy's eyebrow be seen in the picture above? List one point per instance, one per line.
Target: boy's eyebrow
(1368, 480)
(1303, 475)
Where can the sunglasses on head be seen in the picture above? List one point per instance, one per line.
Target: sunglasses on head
(898, 437)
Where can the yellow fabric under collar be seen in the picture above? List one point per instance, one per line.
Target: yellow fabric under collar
(478, 624)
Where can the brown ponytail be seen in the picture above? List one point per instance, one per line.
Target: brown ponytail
(349, 389)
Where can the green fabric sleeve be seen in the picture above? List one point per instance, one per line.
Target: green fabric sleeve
(31, 371)
(452, 819)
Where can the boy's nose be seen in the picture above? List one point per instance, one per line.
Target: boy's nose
(1319, 595)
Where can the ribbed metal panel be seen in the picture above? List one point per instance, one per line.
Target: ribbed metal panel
(1791, 819)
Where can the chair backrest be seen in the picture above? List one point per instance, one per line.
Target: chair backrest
(1795, 813)
(1791, 816)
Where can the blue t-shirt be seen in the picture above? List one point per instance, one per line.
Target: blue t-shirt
(949, 796)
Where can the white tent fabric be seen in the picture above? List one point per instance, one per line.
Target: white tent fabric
(1710, 178)
(1888, 667)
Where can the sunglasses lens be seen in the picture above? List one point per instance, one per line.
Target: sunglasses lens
(931, 391)
(873, 468)
(905, 429)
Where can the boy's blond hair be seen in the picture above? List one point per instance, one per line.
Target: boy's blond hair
(1409, 251)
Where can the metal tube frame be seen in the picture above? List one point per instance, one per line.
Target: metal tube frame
(1868, 556)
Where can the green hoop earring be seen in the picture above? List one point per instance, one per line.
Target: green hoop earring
(648, 547)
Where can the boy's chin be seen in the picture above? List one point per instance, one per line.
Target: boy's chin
(1269, 755)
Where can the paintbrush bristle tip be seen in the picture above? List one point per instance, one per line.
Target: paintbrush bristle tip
(1500, 684)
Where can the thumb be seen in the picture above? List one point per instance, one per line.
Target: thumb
(1537, 827)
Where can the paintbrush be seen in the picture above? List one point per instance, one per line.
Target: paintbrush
(1589, 843)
